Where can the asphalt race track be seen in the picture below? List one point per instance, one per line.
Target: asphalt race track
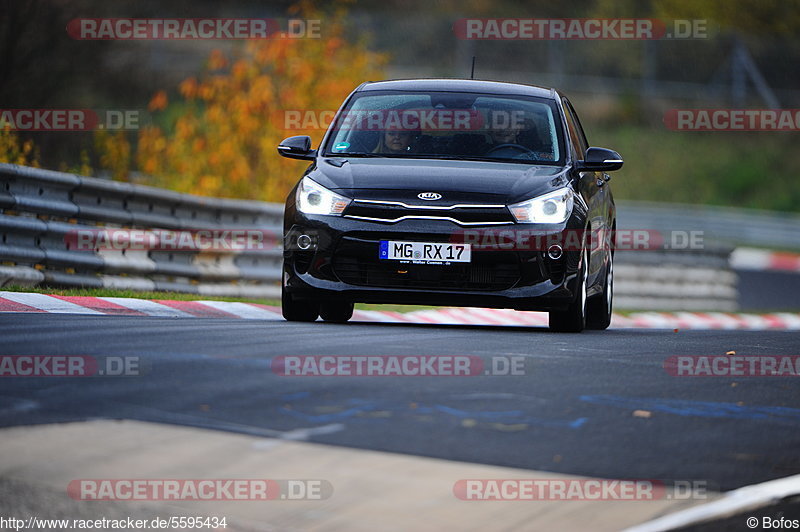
(571, 412)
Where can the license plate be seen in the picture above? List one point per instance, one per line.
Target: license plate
(424, 252)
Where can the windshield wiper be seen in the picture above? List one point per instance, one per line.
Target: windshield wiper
(355, 154)
(478, 158)
(436, 156)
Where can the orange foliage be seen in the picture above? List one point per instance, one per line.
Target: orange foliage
(14, 151)
(158, 102)
(224, 130)
(115, 152)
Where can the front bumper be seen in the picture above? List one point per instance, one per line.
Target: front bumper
(343, 264)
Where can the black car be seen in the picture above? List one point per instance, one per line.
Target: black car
(451, 192)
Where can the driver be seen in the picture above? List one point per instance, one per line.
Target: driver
(504, 136)
(395, 141)
(504, 129)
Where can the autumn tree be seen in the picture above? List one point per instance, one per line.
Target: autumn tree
(16, 151)
(219, 137)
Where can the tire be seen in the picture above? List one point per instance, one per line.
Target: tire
(574, 318)
(599, 309)
(293, 310)
(336, 311)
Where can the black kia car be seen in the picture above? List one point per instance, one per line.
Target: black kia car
(451, 192)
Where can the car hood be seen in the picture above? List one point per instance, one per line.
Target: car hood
(456, 181)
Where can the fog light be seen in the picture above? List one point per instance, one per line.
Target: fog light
(304, 242)
(555, 252)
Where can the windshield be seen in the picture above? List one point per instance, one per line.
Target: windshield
(448, 125)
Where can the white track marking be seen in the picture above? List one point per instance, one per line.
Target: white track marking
(791, 321)
(431, 316)
(657, 320)
(620, 321)
(536, 318)
(726, 320)
(733, 502)
(753, 321)
(47, 303)
(151, 308)
(497, 316)
(302, 434)
(243, 310)
(449, 316)
(465, 316)
(372, 315)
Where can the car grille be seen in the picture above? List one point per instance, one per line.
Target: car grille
(391, 212)
(356, 262)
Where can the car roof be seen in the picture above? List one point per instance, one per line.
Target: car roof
(459, 85)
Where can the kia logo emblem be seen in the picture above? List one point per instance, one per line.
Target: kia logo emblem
(429, 196)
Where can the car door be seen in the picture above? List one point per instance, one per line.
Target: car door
(592, 186)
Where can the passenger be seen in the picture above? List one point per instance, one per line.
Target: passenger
(396, 141)
(535, 135)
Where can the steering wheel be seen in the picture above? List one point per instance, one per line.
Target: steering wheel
(516, 147)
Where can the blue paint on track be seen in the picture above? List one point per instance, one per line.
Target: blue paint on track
(682, 407)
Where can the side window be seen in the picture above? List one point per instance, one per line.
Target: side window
(575, 131)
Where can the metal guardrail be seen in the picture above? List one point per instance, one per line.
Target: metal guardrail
(694, 280)
(691, 279)
(721, 225)
(41, 210)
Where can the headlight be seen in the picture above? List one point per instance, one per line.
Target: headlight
(551, 208)
(313, 198)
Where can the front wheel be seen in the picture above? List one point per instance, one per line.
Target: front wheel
(574, 318)
(294, 310)
(336, 311)
(599, 309)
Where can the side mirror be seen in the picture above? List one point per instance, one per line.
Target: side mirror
(298, 147)
(600, 160)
